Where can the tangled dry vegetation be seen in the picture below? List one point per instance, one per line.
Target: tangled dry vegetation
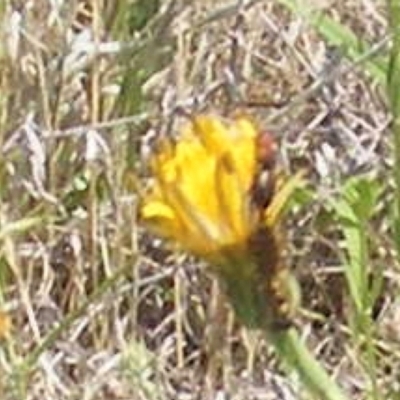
(85, 88)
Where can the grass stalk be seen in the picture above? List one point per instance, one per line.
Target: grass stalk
(393, 87)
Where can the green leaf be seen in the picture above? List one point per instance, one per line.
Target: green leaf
(354, 208)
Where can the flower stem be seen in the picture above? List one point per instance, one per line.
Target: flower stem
(295, 354)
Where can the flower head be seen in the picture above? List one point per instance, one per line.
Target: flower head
(202, 198)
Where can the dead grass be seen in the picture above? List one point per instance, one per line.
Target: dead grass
(82, 96)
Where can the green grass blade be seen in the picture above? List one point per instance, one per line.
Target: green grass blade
(393, 88)
(354, 209)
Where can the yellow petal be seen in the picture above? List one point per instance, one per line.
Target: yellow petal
(233, 201)
(244, 150)
(212, 133)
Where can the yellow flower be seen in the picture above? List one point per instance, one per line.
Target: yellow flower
(200, 196)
